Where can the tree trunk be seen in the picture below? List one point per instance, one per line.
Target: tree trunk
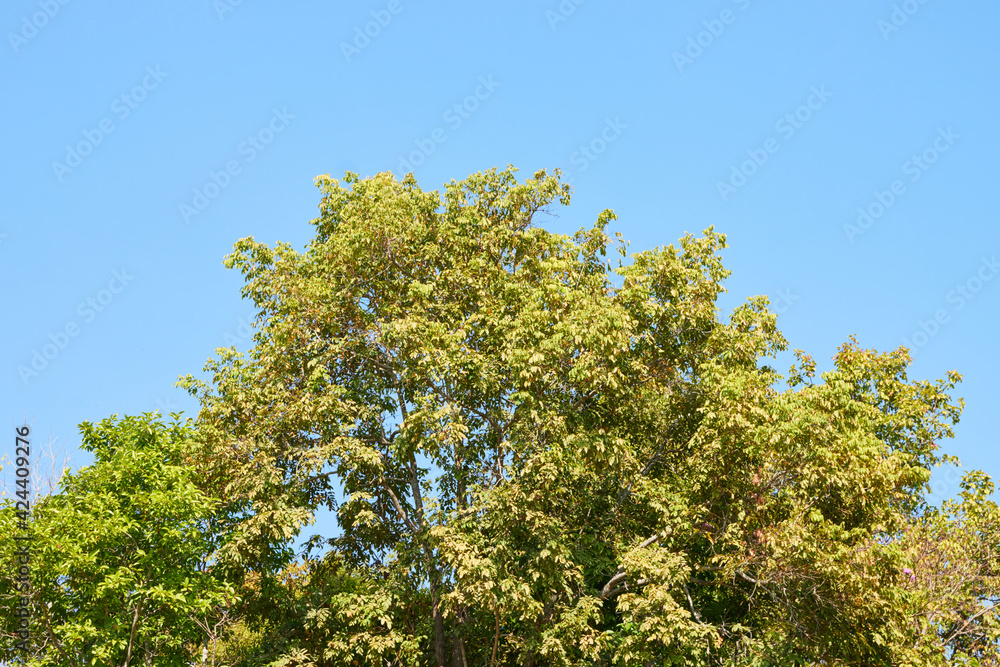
(433, 574)
(438, 618)
(458, 646)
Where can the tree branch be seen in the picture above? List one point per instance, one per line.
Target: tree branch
(399, 506)
(624, 587)
(609, 589)
(131, 638)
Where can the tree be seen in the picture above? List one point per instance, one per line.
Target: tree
(953, 579)
(542, 466)
(119, 556)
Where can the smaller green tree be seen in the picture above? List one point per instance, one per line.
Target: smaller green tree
(120, 558)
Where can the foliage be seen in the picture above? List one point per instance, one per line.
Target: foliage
(543, 464)
(535, 456)
(118, 557)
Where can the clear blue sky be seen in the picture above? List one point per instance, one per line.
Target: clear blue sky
(141, 140)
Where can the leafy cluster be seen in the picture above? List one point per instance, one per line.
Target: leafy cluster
(119, 558)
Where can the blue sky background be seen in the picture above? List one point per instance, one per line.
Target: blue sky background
(646, 107)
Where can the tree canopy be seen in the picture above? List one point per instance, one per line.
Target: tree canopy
(537, 457)
(540, 456)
